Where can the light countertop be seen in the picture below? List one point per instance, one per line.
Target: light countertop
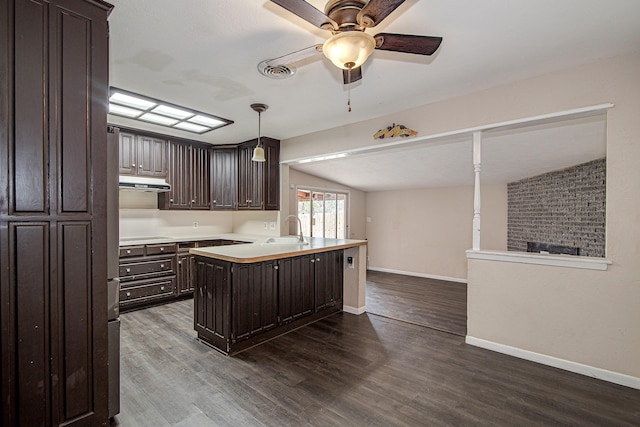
(258, 251)
(133, 241)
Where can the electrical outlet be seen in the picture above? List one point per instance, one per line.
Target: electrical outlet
(195, 224)
(266, 225)
(272, 225)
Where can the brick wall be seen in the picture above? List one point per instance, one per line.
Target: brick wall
(565, 207)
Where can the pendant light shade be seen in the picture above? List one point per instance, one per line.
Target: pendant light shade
(258, 152)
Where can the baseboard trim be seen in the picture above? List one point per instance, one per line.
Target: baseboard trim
(567, 365)
(354, 310)
(410, 273)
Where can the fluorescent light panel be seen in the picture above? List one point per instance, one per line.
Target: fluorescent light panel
(154, 118)
(139, 107)
(172, 112)
(192, 127)
(123, 111)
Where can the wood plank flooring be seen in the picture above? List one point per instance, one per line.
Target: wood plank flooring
(348, 370)
(433, 303)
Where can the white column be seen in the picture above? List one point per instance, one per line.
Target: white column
(477, 160)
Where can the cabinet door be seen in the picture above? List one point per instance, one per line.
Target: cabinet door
(179, 177)
(200, 178)
(329, 279)
(127, 154)
(212, 301)
(53, 218)
(151, 156)
(224, 178)
(254, 298)
(296, 288)
(250, 180)
(271, 173)
(183, 274)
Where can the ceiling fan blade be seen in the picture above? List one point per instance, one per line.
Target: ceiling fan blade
(353, 75)
(307, 12)
(376, 10)
(407, 43)
(296, 56)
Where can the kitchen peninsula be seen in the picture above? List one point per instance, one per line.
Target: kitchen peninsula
(246, 294)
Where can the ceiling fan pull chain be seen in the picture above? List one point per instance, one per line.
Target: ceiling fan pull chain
(349, 90)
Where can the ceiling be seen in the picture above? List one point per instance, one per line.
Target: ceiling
(203, 54)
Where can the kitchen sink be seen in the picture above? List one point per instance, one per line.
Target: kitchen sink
(285, 240)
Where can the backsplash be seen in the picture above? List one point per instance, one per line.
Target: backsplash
(564, 207)
(140, 217)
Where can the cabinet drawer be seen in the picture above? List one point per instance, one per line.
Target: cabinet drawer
(147, 267)
(147, 290)
(162, 248)
(129, 251)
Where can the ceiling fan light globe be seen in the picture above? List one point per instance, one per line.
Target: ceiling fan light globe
(349, 49)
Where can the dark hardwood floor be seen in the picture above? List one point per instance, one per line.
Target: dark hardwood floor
(348, 370)
(433, 303)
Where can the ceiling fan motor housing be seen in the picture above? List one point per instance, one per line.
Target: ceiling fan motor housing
(345, 12)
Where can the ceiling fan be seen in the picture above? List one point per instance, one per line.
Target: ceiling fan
(350, 46)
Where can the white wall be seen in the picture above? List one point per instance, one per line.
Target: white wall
(426, 231)
(589, 317)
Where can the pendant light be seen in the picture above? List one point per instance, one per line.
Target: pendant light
(258, 152)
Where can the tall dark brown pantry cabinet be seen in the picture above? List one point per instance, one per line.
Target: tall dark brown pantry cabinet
(53, 293)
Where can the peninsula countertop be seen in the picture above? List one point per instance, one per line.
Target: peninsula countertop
(258, 251)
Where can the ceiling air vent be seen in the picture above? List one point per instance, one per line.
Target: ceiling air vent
(277, 71)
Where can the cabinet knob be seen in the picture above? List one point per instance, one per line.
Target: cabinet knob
(140, 166)
(313, 260)
(162, 288)
(128, 270)
(193, 201)
(318, 259)
(161, 249)
(128, 294)
(275, 267)
(161, 265)
(170, 200)
(128, 251)
(179, 262)
(133, 164)
(214, 202)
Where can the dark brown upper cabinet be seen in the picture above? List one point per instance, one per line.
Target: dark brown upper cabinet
(259, 182)
(189, 176)
(142, 155)
(224, 174)
(53, 217)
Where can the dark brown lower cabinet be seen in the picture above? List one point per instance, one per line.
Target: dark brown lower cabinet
(240, 305)
(255, 293)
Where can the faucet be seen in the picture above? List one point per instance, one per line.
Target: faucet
(299, 226)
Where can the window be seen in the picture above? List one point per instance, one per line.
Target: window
(323, 213)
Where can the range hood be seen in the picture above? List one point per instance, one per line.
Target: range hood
(140, 183)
